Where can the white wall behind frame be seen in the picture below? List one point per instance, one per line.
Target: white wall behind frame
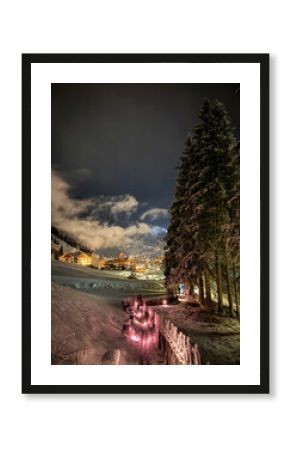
(203, 421)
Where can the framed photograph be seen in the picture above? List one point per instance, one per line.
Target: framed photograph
(145, 232)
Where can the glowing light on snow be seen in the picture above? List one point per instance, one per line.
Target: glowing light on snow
(143, 326)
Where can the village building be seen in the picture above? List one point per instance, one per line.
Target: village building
(84, 259)
(98, 262)
(122, 262)
(109, 264)
(67, 258)
(157, 261)
(139, 266)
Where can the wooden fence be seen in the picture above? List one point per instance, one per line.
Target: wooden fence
(173, 343)
(176, 346)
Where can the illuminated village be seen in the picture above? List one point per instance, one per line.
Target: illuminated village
(135, 264)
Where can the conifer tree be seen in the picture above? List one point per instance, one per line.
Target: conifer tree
(174, 240)
(203, 235)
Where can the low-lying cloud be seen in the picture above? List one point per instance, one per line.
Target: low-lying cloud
(79, 217)
(154, 214)
(119, 205)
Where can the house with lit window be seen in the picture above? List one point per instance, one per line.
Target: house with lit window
(122, 261)
(98, 262)
(84, 259)
(67, 258)
(139, 266)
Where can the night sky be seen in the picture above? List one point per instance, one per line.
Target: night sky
(115, 142)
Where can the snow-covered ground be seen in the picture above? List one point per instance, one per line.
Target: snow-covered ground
(114, 285)
(87, 330)
(87, 315)
(87, 319)
(218, 337)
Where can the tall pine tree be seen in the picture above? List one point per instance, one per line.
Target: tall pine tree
(203, 236)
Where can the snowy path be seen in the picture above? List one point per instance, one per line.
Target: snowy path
(87, 315)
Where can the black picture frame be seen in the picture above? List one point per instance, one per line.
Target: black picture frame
(263, 61)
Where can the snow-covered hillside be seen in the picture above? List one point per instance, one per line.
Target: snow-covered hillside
(57, 243)
(87, 315)
(112, 284)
